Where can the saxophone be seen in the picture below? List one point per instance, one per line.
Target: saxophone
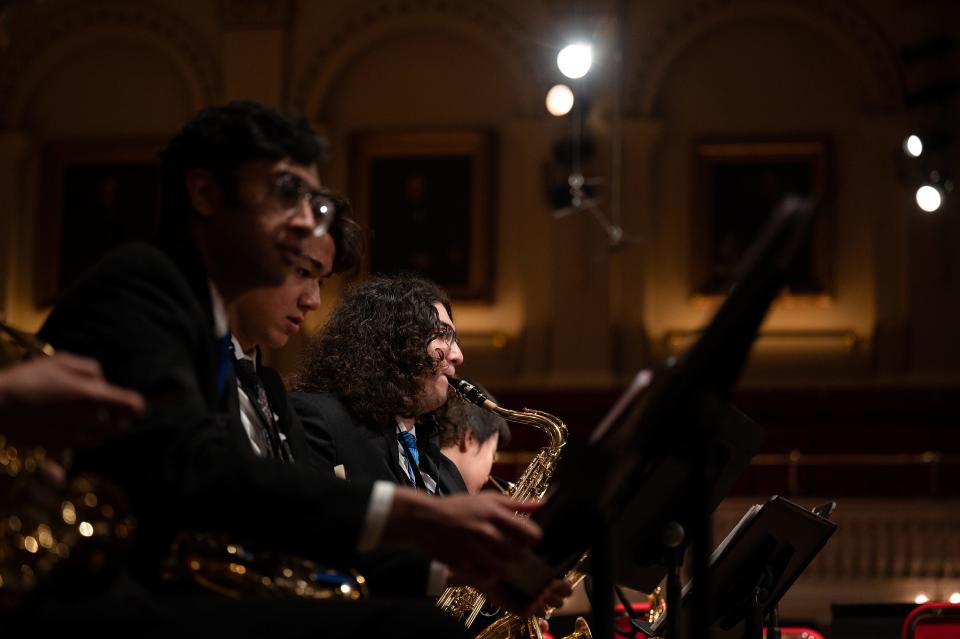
(221, 564)
(464, 602)
(70, 537)
(57, 534)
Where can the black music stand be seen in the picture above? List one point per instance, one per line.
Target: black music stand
(683, 418)
(755, 565)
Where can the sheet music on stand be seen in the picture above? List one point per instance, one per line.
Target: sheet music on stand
(683, 423)
(758, 561)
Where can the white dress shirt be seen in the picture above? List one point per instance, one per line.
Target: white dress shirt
(381, 497)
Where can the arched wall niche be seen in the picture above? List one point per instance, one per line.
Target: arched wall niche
(459, 85)
(717, 82)
(166, 43)
(353, 84)
(369, 94)
(496, 33)
(855, 36)
(156, 66)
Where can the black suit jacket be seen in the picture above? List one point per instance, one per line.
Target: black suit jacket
(146, 315)
(369, 452)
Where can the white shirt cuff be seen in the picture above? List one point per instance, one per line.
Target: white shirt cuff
(378, 510)
(437, 579)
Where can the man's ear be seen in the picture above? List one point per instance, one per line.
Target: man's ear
(468, 439)
(204, 191)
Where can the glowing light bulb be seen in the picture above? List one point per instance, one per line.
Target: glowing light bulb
(913, 146)
(955, 598)
(559, 100)
(929, 198)
(921, 598)
(575, 60)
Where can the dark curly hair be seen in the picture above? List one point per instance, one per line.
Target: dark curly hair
(347, 237)
(372, 353)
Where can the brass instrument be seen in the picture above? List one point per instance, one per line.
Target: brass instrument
(81, 531)
(580, 630)
(464, 602)
(657, 600)
(53, 533)
(235, 570)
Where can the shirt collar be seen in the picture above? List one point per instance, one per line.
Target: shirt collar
(239, 354)
(220, 325)
(401, 427)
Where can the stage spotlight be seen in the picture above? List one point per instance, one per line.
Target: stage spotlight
(955, 598)
(921, 598)
(574, 60)
(929, 198)
(913, 146)
(559, 100)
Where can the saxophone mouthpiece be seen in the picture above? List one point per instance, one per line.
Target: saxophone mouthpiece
(502, 485)
(469, 392)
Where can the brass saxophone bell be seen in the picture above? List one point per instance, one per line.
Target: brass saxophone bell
(235, 570)
(464, 602)
(580, 630)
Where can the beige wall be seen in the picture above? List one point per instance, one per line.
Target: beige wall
(565, 311)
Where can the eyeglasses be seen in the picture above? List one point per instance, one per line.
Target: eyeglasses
(290, 190)
(448, 335)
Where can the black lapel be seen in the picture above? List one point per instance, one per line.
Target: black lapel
(266, 419)
(277, 396)
(276, 393)
(181, 250)
(386, 437)
(449, 480)
(230, 402)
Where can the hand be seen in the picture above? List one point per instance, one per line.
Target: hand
(63, 401)
(550, 597)
(477, 537)
(472, 534)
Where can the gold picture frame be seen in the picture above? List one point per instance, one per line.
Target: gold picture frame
(94, 194)
(737, 184)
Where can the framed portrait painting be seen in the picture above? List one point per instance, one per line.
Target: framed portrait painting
(737, 185)
(94, 195)
(427, 199)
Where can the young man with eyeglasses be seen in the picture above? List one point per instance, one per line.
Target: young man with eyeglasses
(367, 390)
(240, 196)
(372, 379)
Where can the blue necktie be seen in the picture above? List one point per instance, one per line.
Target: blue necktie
(409, 443)
(224, 362)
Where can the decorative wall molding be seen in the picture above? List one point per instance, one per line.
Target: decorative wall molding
(142, 22)
(255, 14)
(839, 20)
(482, 22)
